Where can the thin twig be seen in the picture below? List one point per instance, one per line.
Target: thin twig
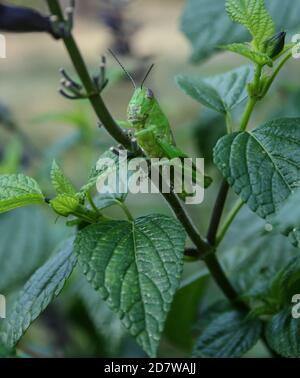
(217, 213)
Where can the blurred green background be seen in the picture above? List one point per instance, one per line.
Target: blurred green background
(37, 124)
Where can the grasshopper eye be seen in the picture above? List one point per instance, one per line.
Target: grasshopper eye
(149, 94)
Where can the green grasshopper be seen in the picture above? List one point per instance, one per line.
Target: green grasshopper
(150, 125)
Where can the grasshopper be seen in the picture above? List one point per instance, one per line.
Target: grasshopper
(150, 125)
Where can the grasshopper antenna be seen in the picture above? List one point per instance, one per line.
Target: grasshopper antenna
(123, 68)
(147, 74)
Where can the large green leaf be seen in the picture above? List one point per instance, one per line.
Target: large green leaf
(254, 16)
(207, 26)
(283, 332)
(262, 166)
(18, 190)
(136, 267)
(25, 244)
(45, 284)
(222, 92)
(230, 334)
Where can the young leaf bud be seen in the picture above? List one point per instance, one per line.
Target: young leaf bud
(275, 44)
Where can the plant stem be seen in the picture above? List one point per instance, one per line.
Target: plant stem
(82, 216)
(247, 114)
(220, 278)
(276, 72)
(252, 100)
(92, 203)
(126, 210)
(210, 259)
(230, 217)
(229, 123)
(217, 213)
(180, 213)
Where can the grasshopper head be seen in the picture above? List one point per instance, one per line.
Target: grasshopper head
(140, 105)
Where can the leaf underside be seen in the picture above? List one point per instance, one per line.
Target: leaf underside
(221, 92)
(45, 284)
(282, 334)
(230, 334)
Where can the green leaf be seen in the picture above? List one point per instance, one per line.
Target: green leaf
(282, 334)
(60, 182)
(252, 263)
(207, 26)
(222, 92)
(287, 219)
(17, 191)
(263, 165)
(230, 334)
(6, 353)
(20, 256)
(287, 282)
(65, 205)
(260, 262)
(246, 50)
(136, 267)
(275, 45)
(254, 16)
(183, 314)
(45, 284)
